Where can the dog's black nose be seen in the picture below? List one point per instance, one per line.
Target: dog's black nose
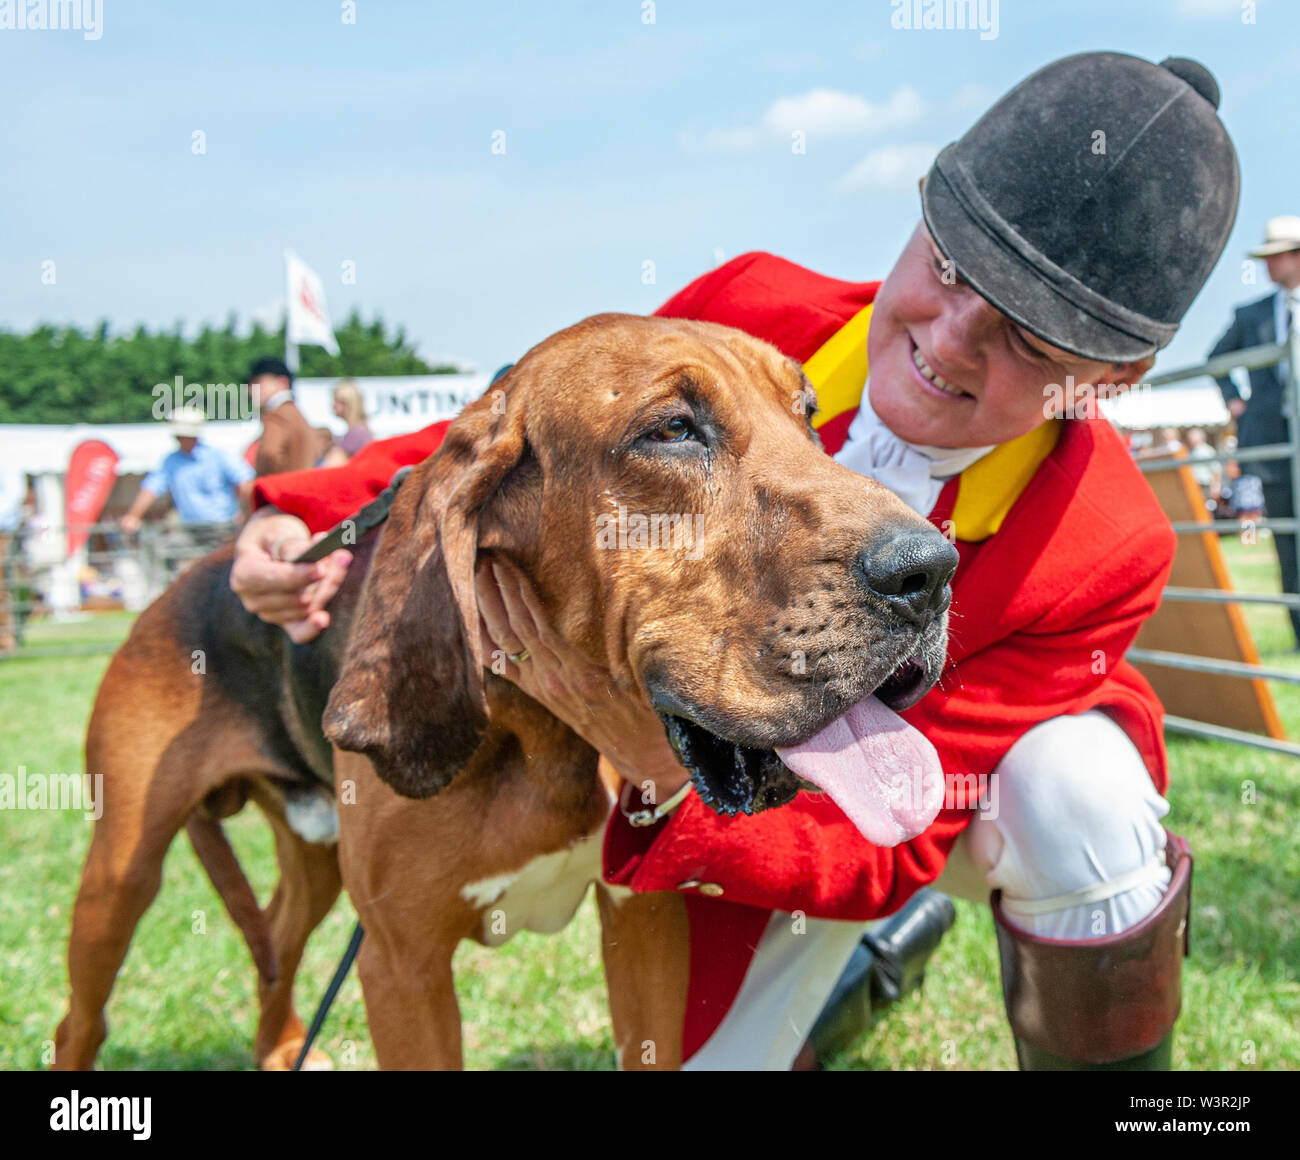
(910, 572)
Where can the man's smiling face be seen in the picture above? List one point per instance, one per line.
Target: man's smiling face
(950, 370)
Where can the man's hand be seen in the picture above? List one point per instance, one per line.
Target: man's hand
(290, 595)
(1236, 408)
(581, 694)
(130, 523)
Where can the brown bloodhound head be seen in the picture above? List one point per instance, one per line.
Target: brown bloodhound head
(660, 483)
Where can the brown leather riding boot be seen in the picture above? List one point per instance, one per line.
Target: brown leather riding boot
(1102, 1004)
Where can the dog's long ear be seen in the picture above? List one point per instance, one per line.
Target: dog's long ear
(410, 693)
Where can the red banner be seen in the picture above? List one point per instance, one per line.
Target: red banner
(92, 471)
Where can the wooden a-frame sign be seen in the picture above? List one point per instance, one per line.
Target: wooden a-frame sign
(1203, 629)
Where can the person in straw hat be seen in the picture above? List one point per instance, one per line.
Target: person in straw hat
(205, 484)
(1061, 241)
(1263, 418)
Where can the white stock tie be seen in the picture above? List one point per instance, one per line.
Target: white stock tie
(914, 472)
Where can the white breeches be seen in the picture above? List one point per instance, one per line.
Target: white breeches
(1069, 832)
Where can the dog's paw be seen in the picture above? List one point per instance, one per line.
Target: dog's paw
(283, 1057)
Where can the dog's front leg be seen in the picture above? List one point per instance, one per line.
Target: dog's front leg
(645, 940)
(410, 1005)
(396, 869)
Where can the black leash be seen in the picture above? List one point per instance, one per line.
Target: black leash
(340, 973)
(348, 533)
(345, 535)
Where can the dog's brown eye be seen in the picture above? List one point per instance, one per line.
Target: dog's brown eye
(673, 431)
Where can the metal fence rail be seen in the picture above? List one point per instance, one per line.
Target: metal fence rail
(1218, 596)
(1252, 358)
(1287, 524)
(40, 579)
(1220, 733)
(1171, 660)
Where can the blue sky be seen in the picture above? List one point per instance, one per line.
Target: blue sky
(625, 142)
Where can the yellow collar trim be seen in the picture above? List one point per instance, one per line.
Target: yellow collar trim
(987, 489)
(839, 368)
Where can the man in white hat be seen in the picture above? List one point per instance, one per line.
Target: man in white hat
(205, 484)
(1263, 418)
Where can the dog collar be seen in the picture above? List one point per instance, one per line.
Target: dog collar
(650, 817)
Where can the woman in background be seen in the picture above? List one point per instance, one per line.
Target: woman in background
(351, 408)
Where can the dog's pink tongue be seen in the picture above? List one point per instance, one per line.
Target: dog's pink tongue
(879, 770)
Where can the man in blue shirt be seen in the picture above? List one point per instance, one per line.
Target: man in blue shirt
(204, 483)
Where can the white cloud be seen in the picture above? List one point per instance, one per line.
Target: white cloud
(818, 113)
(891, 167)
(827, 113)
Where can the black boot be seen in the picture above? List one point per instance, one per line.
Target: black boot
(888, 963)
(1101, 1004)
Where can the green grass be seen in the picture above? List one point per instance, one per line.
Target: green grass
(90, 634)
(187, 1000)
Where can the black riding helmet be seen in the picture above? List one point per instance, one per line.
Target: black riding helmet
(1091, 202)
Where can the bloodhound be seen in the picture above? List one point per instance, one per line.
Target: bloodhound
(465, 809)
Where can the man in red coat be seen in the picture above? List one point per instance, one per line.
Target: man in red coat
(1011, 302)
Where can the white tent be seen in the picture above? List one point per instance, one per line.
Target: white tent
(394, 404)
(1177, 405)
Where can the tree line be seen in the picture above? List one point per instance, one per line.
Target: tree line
(60, 374)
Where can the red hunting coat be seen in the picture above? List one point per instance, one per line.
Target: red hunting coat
(1044, 609)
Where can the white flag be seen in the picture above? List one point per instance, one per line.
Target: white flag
(309, 316)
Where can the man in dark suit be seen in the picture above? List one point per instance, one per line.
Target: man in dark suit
(1264, 417)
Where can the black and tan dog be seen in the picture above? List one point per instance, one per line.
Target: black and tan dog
(617, 414)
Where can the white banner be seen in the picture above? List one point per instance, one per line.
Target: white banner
(309, 316)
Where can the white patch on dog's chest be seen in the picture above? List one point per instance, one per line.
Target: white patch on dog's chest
(313, 816)
(543, 895)
(485, 893)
